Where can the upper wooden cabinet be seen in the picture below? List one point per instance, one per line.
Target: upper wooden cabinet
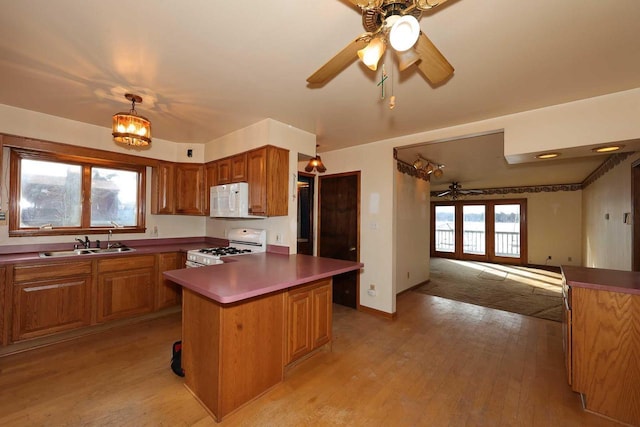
(178, 188)
(211, 179)
(183, 188)
(190, 181)
(162, 189)
(268, 178)
(232, 169)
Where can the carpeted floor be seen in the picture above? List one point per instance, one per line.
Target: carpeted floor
(528, 291)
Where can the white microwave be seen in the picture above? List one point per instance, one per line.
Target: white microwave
(230, 201)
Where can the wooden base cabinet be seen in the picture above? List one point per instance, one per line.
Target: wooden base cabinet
(167, 292)
(125, 287)
(231, 353)
(604, 351)
(309, 319)
(50, 298)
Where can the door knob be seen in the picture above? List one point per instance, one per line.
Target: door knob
(351, 249)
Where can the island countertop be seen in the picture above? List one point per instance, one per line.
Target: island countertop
(247, 276)
(626, 282)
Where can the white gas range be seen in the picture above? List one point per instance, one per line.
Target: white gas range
(241, 241)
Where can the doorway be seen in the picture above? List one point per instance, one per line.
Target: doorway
(339, 230)
(305, 189)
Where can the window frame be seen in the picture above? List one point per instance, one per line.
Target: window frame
(489, 255)
(86, 163)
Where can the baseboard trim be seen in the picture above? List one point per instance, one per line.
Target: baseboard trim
(377, 313)
(414, 287)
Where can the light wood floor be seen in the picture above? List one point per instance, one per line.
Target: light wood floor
(441, 363)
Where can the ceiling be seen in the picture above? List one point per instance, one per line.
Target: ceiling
(207, 68)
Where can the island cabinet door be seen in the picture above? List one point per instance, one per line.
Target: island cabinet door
(322, 312)
(309, 319)
(299, 324)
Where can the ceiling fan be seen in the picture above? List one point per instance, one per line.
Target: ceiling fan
(455, 190)
(394, 22)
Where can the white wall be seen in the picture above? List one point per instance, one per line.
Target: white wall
(608, 242)
(554, 225)
(412, 230)
(525, 132)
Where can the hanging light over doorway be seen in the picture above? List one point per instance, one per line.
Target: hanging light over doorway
(315, 163)
(130, 128)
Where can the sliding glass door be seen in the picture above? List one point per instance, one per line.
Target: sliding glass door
(480, 230)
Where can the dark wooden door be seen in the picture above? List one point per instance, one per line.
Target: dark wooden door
(339, 231)
(635, 220)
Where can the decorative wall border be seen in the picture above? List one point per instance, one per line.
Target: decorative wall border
(520, 190)
(605, 167)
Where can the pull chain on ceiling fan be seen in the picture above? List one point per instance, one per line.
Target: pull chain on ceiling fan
(393, 22)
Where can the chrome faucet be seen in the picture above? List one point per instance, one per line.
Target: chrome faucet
(109, 239)
(86, 242)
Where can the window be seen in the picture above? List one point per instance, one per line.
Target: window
(480, 230)
(57, 194)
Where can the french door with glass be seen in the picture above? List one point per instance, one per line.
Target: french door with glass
(480, 230)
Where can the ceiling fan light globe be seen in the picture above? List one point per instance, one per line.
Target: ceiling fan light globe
(371, 54)
(404, 33)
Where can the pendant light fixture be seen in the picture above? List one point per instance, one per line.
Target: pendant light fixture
(315, 163)
(130, 128)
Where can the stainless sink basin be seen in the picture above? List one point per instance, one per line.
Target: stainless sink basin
(91, 251)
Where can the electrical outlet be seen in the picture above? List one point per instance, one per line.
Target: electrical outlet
(372, 290)
(278, 238)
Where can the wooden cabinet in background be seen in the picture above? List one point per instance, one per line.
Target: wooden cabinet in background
(163, 189)
(232, 169)
(189, 196)
(268, 178)
(50, 298)
(178, 188)
(168, 293)
(125, 286)
(211, 179)
(308, 323)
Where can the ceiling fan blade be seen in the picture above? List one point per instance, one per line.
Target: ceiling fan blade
(426, 4)
(470, 191)
(432, 64)
(444, 193)
(339, 62)
(369, 4)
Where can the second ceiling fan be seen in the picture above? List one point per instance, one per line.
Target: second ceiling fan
(394, 22)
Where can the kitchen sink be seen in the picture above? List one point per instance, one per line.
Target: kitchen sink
(90, 251)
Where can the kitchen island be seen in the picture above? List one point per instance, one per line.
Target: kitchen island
(602, 340)
(244, 320)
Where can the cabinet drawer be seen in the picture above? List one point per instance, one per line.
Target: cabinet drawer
(34, 272)
(126, 263)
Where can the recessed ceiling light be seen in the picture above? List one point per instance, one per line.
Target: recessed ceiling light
(607, 148)
(547, 156)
